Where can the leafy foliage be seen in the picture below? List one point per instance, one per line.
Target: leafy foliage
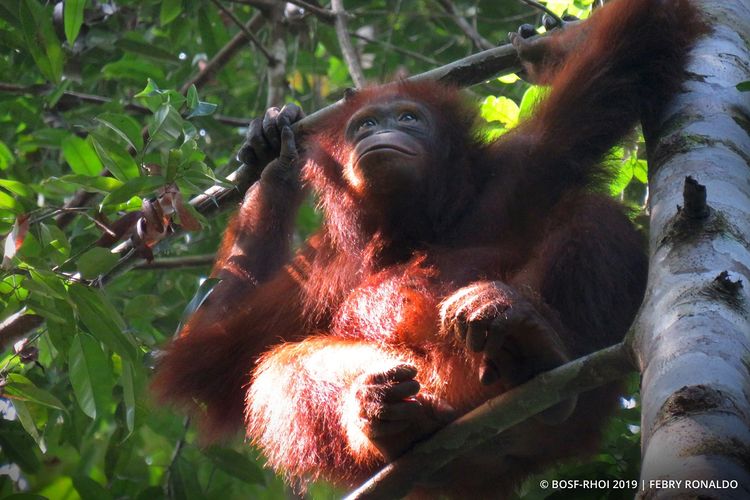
(103, 122)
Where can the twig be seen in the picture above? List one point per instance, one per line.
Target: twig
(478, 40)
(325, 15)
(347, 49)
(495, 416)
(175, 457)
(224, 55)
(396, 48)
(544, 9)
(70, 98)
(178, 262)
(249, 34)
(257, 4)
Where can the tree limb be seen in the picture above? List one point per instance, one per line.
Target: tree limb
(347, 49)
(496, 415)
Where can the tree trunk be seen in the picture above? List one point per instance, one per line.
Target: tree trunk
(693, 332)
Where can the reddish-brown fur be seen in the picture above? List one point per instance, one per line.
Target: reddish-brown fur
(290, 342)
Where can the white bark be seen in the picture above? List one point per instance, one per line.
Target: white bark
(693, 339)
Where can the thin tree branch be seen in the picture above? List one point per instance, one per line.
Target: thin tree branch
(249, 34)
(178, 262)
(224, 55)
(396, 479)
(544, 9)
(396, 48)
(257, 4)
(70, 99)
(325, 15)
(347, 49)
(478, 40)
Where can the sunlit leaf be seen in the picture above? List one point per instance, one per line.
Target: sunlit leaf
(500, 109)
(81, 156)
(6, 156)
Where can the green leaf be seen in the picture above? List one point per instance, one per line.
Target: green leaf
(127, 379)
(73, 13)
(146, 50)
(640, 171)
(96, 262)
(166, 125)
(125, 127)
(236, 464)
(90, 375)
(744, 86)
(17, 188)
(81, 156)
(117, 160)
(170, 9)
(150, 96)
(26, 419)
(8, 202)
(500, 109)
(18, 447)
(21, 388)
(192, 97)
(134, 187)
(203, 109)
(509, 78)
(40, 38)
(89, 489)
(530, 100)
(102, 320)
(132, 69)
(99, 183)
(6, 156)
(151, 493)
